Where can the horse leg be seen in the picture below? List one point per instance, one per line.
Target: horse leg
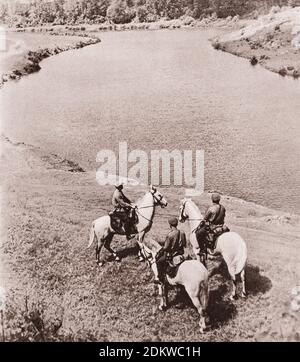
(140, 239)
(234, 288)
(244, 294)
(155, 272)
(199, 297)
(198, 255)
(196, 247)
(109, 248)
(98, 250)
(203, 259)
(162, 292)
(197, 304)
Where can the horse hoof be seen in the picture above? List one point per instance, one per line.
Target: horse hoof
(141, 259)
(117, 258)
(162, 308)
(100, 263)
(180, 306)
(244, 295)
(233, 297)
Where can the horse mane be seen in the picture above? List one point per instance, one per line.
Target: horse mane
(194, 206)
(141, 198)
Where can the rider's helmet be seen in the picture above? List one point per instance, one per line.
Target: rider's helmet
(173, 221)
(215, 197)
(119, 185)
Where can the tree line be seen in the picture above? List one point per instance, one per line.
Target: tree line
(60, 12)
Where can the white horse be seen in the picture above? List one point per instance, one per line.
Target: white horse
(230, 245)
(103, 232)
(191, 274)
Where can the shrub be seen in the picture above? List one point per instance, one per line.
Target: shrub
(253, 60)
(216, 45)
(119, 12)
(187, 20)
(283, 72)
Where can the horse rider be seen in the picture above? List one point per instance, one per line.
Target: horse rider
(122, 205)
(214, 217)
(172, 252)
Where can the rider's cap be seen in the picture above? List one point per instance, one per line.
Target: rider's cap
(215, 197)
(173, 221)
(118, 184)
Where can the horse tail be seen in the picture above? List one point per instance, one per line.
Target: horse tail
(203, 294)
(92, 236)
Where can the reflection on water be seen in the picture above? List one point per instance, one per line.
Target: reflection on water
(166, 89)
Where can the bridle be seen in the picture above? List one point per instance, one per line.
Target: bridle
(157, 201)
(182, 217)
(148, 255)
(182, 211)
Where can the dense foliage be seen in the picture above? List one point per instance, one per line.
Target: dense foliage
(36, 12)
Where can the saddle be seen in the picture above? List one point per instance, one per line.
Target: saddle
(123, 220)
(173, 264)
(213, 233)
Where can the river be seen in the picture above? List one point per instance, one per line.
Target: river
(166, 89)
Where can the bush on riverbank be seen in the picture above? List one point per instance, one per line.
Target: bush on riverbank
(272, 40)
(63, 12)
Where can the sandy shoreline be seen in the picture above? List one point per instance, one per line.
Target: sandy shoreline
(26, 51)
(272, 41)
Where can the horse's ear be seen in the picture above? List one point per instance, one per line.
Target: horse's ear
(152, 188)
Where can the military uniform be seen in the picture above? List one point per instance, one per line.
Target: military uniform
(123, 210)
(215, 214)
(171, 254)
(175, 243)
(120, 201)
(214, 218)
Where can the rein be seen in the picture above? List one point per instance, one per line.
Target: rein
(147, 207)
(137, 211)
(198, 219)
(148, 255)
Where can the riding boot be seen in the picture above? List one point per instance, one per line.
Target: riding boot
(161, 269)
(201, 238)
(128, 233)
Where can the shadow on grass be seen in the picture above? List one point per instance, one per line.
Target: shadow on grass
(255, 282)
(220, 311)
(130, 251)
(179, 298)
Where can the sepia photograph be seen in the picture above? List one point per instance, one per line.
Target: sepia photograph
(150, 173)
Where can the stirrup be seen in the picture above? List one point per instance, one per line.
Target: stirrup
(211, 252)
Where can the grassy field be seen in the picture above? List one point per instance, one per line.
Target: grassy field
(55, 291)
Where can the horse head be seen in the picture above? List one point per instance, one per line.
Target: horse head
(158, 197)
(183, 214)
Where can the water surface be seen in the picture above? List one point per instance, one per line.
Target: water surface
(166, 89)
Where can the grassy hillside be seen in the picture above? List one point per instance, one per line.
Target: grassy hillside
(56, 291)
